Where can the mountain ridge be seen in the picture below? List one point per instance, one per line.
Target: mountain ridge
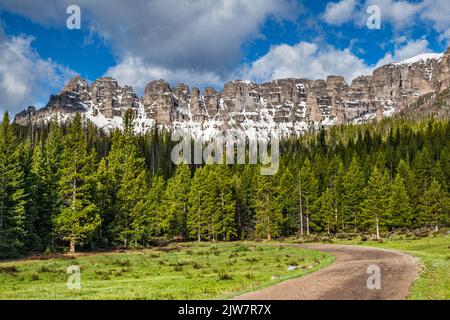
(290, 106)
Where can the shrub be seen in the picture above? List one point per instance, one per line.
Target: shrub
(44, 269)
(9, 269)
(122, 263)
(224, 276)
(178, 268)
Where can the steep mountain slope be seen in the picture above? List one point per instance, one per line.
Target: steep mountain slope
(291, 106)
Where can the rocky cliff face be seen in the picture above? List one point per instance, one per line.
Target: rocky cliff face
(290, 105)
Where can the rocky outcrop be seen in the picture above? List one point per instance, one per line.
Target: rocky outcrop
(294, 105)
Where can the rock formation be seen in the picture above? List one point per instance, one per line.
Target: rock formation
(291, 105)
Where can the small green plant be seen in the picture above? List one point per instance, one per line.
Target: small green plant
(9, 269)
(224, 276)
(178, 268)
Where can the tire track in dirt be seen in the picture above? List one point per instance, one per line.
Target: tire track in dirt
(346, 278)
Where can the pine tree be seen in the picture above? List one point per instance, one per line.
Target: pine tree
(32, 241)
(54, 150)
(288, 200)
(155, 214)
(199, 211)
(422, 167)
(245, 193)
(175, 202)
(353, 195)
(79, 217)
(435, 207)
(336, 176)
(374, 207)
(309, 191)
(127, 169)
(131, 223)
(223, 204)
(12, 193)
(326, 215)
(104, 200)
(268, 214)
(38, 212)
(399, 207)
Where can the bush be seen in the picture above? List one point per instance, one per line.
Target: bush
(9, 269)
(178, 268)
(122, 263)
(44, 269)
(224, 276)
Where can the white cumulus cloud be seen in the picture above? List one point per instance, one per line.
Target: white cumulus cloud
(338, 13)
(26, 78)
(178, 39)
(406, 49)
(305, 60)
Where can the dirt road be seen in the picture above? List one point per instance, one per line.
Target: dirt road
(347, 277)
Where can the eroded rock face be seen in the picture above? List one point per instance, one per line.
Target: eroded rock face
(295, 105)
(159, 102)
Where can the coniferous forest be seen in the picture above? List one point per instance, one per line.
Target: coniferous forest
(72, 186)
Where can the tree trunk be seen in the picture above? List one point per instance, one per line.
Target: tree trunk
(436, 228)
(269, 237)
(336, 223)
(301, 209)
(72, 247)
(378, 228)
(198, 230)
(307, 225)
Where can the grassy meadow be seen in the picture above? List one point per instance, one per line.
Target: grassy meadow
(185, 271)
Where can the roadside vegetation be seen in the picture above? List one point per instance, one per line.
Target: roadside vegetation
(186, 271)
(434, 255)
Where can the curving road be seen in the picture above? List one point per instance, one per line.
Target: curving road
(346, 278)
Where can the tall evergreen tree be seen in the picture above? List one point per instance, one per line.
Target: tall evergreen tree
(308, 192)
(175, 202)
(399, 207)
(288, 201)
(374, 207)
(268, 214)
(200, 205)
(132, 187)
(155, 214)
(435, 207)
(326, 215)
(79, 217)
(245, 193)
(12, 193)
(223, 204)
(353, 195)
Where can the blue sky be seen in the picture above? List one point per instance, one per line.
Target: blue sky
(205, 42)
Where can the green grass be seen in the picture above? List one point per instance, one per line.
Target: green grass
(189, 271)
(434, 255)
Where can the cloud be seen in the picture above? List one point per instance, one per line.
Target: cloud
(173, 37)
(309, 60)
(337, 13)
(398, 13)
(305, 60)
(25, 78)
(437, 12)
(134, 70)
(405, 49)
